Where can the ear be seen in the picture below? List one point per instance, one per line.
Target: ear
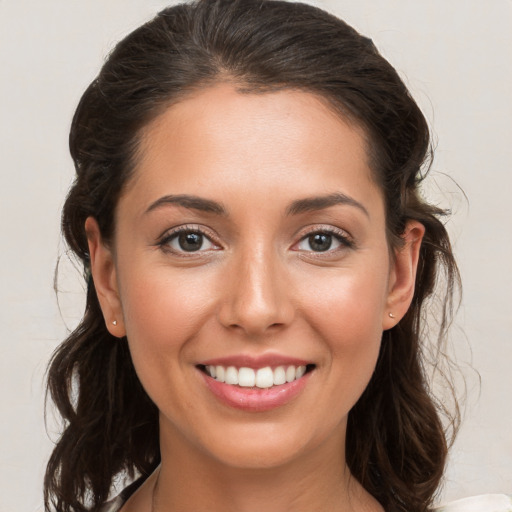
(403, 275)
(103, 271)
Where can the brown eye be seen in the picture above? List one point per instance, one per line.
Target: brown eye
(188, 241)
(321, 241)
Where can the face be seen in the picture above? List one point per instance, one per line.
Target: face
(250, 246)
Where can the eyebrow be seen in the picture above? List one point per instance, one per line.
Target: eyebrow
(190, 202)
(310, 204)
(299, 206)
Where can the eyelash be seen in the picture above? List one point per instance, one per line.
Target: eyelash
(339, 235)
(168, 237)
(345, 240)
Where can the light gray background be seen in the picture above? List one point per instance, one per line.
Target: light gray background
(456, 57)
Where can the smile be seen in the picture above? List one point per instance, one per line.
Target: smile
(266, 377)
(256, 384)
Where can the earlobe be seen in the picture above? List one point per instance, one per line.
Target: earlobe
(103, 272)
(403, 275)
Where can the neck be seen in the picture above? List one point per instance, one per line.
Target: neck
(188, 481)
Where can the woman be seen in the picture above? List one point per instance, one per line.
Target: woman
(258, 258)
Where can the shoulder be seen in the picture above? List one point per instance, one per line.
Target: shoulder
(117, 503)
(482, 503)
(113, 505)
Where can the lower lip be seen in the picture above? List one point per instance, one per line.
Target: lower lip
(254, 399)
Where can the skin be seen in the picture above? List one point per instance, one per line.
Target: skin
(257, 286)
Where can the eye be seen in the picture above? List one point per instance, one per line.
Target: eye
(187, 240)
(323, 241)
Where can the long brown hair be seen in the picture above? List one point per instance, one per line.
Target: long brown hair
(396, 443)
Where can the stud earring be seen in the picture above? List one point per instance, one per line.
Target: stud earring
(114, 322)
(391, 315)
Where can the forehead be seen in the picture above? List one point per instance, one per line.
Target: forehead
(218, 138)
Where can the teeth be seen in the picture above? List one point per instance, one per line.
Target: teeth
(265, 377)
(246, 377)
(279, 376)
(220, 373)
(261, 378)
(301, 370)
(231, 375)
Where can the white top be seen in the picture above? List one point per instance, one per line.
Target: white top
(482, 503)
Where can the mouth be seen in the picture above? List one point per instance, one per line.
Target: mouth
(256, 378)
(256, 383)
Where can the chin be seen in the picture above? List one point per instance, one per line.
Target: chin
(259, 456)
(264, 447)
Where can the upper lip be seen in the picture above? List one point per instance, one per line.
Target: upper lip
(253, 361)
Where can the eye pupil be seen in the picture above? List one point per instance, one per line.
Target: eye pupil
(190, 241)
(320, 242)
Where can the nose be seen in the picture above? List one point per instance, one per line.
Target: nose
(257, 295)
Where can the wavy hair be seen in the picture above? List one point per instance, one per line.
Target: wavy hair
(396, 442)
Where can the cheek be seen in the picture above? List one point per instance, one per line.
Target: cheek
(346, 314)
(349, 304)
(156, 300)
(163, 311)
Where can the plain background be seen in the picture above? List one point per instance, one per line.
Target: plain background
(455, 55)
